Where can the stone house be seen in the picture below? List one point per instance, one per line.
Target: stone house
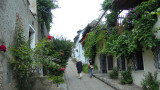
(11, 10)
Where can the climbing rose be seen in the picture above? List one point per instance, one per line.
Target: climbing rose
(2, 48)
(62, 53)
(49, 37)
(63, 69)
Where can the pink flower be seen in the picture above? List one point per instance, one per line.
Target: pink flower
(62, 53)
(2, 48)
(49, 37)
(147, 86)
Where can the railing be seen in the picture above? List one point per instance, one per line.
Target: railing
(119, 24)
(120, 19)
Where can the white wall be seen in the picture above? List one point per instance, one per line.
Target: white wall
(148, 60)
(80, 53)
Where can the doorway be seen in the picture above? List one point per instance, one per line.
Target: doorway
(103, 68)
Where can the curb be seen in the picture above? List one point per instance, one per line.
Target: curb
(107, 83)
(66, 82)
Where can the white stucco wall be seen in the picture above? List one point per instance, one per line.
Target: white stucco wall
(80, 53)
(97, 61)
(148, 60)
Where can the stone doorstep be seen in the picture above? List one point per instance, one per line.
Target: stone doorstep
(115, 83)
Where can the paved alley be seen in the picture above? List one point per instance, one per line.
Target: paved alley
(85, 83)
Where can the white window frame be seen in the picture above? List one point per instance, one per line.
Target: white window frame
(32, 30)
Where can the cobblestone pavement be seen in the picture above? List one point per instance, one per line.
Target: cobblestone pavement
(85, 83)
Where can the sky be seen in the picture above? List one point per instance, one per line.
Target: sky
(74, 15)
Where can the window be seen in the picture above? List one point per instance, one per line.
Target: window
(110, 62)
(32, 36)
(138, 60)
(121, 63)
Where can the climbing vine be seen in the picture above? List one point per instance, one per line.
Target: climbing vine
(90, 45)
(21, 61)
(138, 31)
(44, 8)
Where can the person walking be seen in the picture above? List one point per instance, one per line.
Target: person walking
(90, 67)
(79, 68)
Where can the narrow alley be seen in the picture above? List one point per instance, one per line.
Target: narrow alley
(85, 83)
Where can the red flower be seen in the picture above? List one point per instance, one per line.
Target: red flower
(49, 37)
(63, 69)
(62, 53)
(2, 48)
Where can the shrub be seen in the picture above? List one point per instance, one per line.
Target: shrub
(54, 79)
(126, 77)
(95, 67)
(85, 68)
(150, 82)
(113, 74)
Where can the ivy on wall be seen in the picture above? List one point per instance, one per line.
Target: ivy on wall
(44, 8)
(138, 31)
(90, 45)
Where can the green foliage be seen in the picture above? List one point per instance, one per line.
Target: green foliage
(100, 38)
(90, 44)
(56, 80)
(110, 47)
(148, 6)
(144, 32)
(21, 61)
(107, 4)
(50, 54)
(113, 74)
(150, 82)
(130, 20)
(95, 67)
(137, 13)
(138, 31)
(44, 8)
(85, 68)
(112, 18)
(126, 76)
(65, 46)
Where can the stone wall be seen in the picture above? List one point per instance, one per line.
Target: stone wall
(8, 11)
